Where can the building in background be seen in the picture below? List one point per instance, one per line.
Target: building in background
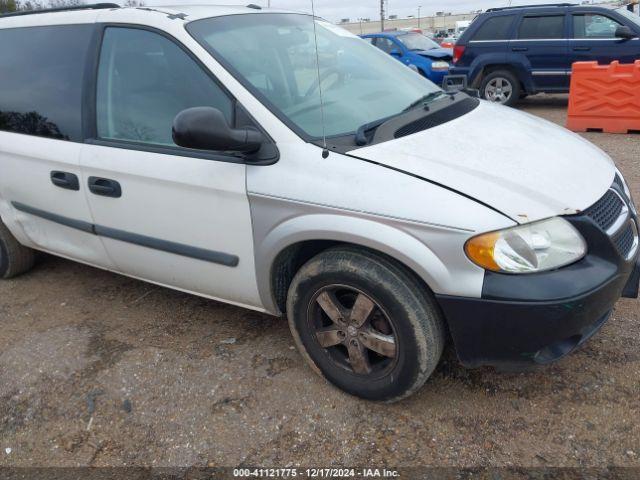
(443, 21)
(446, 21)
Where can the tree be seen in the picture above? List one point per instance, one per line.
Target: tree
(64, 3)
(7, 6)
(133, 3)
(28, 5)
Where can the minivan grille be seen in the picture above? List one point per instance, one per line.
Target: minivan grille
(607, 210)
(614, 216)
(624, 242)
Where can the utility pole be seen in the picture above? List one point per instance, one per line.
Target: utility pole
(382, 15)
(419, 7)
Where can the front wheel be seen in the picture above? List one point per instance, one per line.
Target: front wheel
(365, 323)
(501, 87)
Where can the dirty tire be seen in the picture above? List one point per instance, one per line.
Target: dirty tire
(505, 78)
(14, 258)
(414, 320)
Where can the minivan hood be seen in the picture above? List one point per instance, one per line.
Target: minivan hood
(521, 165)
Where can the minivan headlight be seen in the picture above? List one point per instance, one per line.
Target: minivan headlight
(439, 66)
(535, 247)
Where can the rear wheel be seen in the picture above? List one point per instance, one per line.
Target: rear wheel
(14, 258)
(365, 323)
(501, 87)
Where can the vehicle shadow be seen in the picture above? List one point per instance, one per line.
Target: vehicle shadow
(543, 100)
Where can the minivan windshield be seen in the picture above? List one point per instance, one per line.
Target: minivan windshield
(417, 41)
(274, 56)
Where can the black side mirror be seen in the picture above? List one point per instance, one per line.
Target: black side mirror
(205, 128)
(625, 32)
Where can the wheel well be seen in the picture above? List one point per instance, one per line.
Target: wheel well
(288, 262)
(495, 67)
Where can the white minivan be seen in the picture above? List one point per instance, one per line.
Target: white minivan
(274, 161)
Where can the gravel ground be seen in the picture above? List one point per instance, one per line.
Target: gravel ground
(98, 369)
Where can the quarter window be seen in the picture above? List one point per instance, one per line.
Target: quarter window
(41, 71)
(547, 27)
(144, 81)
(495, 28)
(594, 26)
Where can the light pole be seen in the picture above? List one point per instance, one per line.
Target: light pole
(419, 7)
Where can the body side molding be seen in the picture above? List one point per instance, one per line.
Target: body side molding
(183, 250)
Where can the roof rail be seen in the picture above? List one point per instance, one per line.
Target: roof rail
(497, 9)
(91, 6)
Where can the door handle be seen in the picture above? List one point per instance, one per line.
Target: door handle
(105, 187)
(581, 49)
(65, 180)
(519, 49)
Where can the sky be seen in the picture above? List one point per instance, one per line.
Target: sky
(335, 10)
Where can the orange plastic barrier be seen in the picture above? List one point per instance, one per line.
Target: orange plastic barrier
(604, 97)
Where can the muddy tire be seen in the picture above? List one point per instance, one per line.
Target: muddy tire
(15, 259)
(365, 323)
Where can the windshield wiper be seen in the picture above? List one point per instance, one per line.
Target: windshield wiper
(361, 133)
(423, 100)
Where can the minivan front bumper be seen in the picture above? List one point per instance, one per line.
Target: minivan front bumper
(540, 318)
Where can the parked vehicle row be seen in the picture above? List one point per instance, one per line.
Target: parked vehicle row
(194, 147)
(511, 52)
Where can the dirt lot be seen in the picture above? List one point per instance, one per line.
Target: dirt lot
(98, 369)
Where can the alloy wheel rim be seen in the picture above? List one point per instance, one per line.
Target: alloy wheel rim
(353, 330)
(499, 90)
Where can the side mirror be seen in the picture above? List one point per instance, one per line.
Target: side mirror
(205, 128)
(625, 32)
(395, 53)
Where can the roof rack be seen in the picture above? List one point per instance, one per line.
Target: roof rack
(497, 9)
(91, 6)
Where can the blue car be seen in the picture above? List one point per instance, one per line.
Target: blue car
(511, 52)
(416, 51)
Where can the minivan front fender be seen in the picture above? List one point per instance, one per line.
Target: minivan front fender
(314, 225)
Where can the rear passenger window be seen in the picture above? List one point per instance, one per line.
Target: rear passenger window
(551, 26)
(41, 71)
(495, 28)
(144, 81)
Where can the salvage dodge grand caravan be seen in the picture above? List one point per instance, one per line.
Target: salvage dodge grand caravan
(186, 147)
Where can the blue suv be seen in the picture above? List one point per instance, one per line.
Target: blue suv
(509, 53)
(416, 51)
